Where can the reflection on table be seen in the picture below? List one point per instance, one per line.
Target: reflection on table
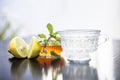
(105, 65)
(39, 68)
(76, 71)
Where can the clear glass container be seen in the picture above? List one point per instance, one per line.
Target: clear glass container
(77, 44)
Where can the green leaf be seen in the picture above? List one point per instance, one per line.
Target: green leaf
(55, 54)
(50, 28)
(55, 33)
(45, 42)
(58, 38)
(7, 25)
(42, 35)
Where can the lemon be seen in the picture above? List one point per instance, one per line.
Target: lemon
(18, 47)
(34, 48)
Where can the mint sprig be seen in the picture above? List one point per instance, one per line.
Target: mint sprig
(52, 34)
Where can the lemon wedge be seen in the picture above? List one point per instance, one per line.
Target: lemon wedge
(34, 48)
(18, 47)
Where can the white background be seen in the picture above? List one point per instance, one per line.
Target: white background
(33, 15)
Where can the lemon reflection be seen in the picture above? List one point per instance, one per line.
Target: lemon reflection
(18, 67)
(36, 69)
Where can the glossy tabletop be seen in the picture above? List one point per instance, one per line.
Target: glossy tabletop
(104, 65)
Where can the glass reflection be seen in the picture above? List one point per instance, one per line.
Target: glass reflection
(37, 69)
(74, 71)
(116, 59)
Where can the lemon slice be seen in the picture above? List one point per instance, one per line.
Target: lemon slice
(18, 47)
(34, 48)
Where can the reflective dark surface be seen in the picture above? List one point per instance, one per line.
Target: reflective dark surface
(105, 65)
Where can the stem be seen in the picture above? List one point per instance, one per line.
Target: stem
(51, 36)
(46, 44)
(47, 41)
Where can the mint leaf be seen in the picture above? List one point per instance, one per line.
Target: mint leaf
(55, 33)
(7, 25)
(45, 42)
(58, 38)
(55, 54)
(50, 28)
(42, 35)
